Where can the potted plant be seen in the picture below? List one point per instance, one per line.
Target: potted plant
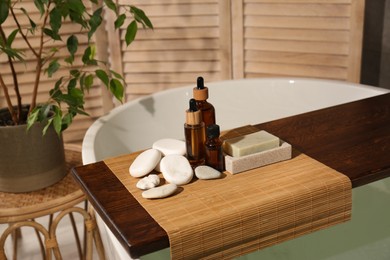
(39, 151)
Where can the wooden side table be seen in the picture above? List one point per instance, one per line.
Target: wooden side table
(20, 209)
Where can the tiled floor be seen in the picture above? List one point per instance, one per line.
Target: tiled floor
(28, 247)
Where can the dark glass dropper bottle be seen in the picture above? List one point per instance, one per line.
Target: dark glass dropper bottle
(195, 135)
(201, 94)
(214, 153)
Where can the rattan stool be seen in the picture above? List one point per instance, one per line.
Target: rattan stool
(20, 209)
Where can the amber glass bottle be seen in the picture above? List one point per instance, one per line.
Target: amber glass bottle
(214, 153)
(195, 135)
(201, 94)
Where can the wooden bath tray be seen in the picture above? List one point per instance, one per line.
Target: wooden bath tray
(352, 138)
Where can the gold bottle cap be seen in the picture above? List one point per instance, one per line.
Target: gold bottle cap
(193, 118)
(193, 115)
(200, 92)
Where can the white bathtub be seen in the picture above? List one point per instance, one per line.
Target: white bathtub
(137, 124)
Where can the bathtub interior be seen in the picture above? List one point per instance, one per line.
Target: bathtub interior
(137, 124)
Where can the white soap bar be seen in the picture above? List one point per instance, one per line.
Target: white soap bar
(251, 143)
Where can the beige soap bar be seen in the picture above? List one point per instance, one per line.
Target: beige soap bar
(251, 143)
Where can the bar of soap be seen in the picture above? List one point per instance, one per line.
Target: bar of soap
(251, 143)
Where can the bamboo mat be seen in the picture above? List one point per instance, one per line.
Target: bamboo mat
(242, 213)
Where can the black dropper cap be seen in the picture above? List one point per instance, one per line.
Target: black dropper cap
(213, 131)
(193, 107)
(200, 83)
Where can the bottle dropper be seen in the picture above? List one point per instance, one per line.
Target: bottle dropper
(201, 94)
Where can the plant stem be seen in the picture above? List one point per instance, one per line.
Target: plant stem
(7, 98)
(39, 61)
(22, 34)
(15, 117)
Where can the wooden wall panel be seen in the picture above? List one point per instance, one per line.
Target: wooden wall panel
(303, 38)
(190, 39)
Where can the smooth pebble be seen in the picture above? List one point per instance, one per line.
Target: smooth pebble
(204, 172)
(168, 146)
(176, 169)
(145, 162)
(160, 192)
(148, 182)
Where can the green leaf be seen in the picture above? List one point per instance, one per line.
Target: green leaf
(131, 32)
(86, 55)
(93, 52)
(4, 10)
(75, 73)
(52, 34)
(57, 120)
(89, 55)
(67, 121)
(78, 18)
(82, 80)
(81, 112)
(56, 90)
(78, 96)
(88, 81)
(116, 88)
(32, 117)
(72, 44)
(139, 14)
(68, 99)
(32, 23)
(13, 53)
(55, 93)
(117, 75)
(11, 37)
(45, 111)
(47, 126)
(102, 75)
(110, 4)
(53, 67)
(76, 6)
(69, 60)
(72, 84)
(40, 5)
(119, 21)
(95, 22)
(55, 20)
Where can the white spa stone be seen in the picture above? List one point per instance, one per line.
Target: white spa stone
(145, 162)
(176, 169)
(148, 182)
(205, 172)
(168, 146)
(160, 192)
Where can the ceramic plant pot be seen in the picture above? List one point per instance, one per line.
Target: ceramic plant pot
(28, 160)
